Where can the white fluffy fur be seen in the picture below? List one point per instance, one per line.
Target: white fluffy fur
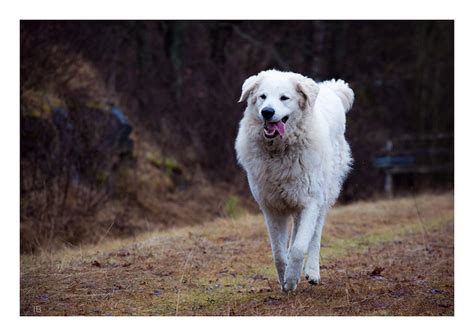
(297, 176)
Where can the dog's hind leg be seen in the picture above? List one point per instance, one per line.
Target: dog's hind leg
(311, 270)
(294, 228)
(277, 226)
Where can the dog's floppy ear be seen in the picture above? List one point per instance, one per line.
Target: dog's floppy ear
(248, 86)
(308, 89)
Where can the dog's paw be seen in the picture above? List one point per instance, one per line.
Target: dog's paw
(313, 277)
(290, 284)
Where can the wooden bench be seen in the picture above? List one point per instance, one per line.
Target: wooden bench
(415, 154)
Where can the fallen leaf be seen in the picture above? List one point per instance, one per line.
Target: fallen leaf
(272, 301)
(123, 253)
(259, 277)
(96, 263)
(163, 273)
(436, 291)
(376, 271)
(44, 298)
(380, 305)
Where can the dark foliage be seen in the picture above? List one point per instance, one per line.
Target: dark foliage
(180, 81)
(185, 76)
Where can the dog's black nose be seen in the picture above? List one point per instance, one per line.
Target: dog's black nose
(267, 113)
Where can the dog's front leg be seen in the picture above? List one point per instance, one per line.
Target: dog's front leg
(277, 226)
(305, 229)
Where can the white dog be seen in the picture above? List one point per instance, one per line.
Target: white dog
(291, 144)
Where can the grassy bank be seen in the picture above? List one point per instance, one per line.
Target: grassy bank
(389, 257)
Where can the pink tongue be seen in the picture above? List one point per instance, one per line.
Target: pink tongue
(279, 126)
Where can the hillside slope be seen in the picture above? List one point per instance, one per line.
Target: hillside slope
(389, 257)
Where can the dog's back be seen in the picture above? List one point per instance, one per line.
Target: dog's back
(334, 100)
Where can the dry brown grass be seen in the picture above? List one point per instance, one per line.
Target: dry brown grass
(390, 257)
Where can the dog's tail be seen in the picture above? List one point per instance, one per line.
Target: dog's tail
(343, 91)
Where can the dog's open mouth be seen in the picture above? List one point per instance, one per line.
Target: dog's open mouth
(272, 129)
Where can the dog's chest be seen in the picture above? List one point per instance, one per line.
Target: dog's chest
(285, 182)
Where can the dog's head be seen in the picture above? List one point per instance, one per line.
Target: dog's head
(279, 100)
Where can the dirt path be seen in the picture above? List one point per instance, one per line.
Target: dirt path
(391, 257)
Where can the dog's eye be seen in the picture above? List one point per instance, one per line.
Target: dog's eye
(283, 98)
(263, 96)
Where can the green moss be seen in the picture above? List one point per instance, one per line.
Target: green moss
(232, 207)
(333, 247)
(208, 295)
(203, 295)
(170, 165)
(95, 105)
(101, 178)
(39, 104)
(209, 298)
